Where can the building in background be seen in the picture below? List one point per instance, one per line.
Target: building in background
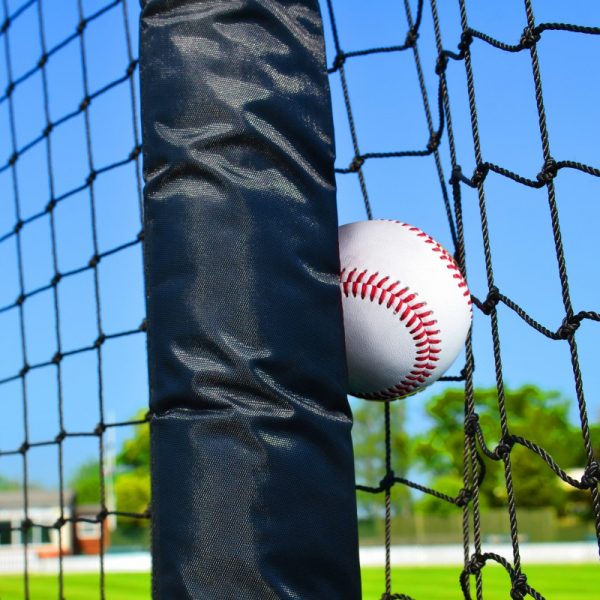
(80, 537)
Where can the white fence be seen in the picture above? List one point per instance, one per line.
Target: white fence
(140, 562)
(567, 553)
(135, 562)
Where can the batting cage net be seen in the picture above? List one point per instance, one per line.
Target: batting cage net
(452, 65)
(444, 115)
(72, 348)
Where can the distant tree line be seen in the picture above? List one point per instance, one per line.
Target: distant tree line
(433, 457)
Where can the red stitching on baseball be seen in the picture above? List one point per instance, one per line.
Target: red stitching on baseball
(367, 287)
(444, 255)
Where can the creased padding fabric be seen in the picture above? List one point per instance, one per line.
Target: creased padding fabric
(252, 467)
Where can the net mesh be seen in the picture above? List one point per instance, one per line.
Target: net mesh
(71, 219)
(442, 136)
(58, 153)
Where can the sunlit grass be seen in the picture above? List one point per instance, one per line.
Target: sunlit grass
(555, 582)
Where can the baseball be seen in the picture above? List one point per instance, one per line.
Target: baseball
(407, 308)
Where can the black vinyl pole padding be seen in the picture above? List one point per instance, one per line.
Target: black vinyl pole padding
(252, 467)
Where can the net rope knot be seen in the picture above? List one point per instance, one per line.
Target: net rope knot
(131, 68)
(503, 449)
(491, 301)
(441, 64)
(479, 175)
(94, 261)
(464, 496)
(356, 164)
(135, 152)
(548, 172)
(475, 565)
(434, 142)
(466, 39)
(456, 175)
(472, 424)
(25, 369)
(569, 326)
(388, 481)
(411, 38)
(26, 525)
(519, 588)
(102, 515)
(530, 37)
(5, 25)
(99, 340)
(591, 475)
(339, 61)
(61, 436)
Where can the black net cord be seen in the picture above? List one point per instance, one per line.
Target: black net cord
(17, 201)
(356, 166)
(471, 467)
(57, 315)
(468, 497)
(53, 155)
(562, 270)
(98, 308)
(434, 134)
(493, 314)
(357, 163)
(474, 470)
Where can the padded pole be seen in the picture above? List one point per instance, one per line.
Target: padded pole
(252, 467)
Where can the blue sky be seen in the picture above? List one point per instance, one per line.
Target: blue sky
(389, 116)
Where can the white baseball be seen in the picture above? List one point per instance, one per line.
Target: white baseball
(407, 308)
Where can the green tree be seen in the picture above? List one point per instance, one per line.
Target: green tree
(85, 482)
(537, 415)
(136, 450)
(132, 482)
(368, 437)
(8, 484)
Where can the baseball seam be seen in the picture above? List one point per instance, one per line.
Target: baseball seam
(415, 316)
(404, 301)
(445, 256)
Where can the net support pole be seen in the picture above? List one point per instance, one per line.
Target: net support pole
(252, 467)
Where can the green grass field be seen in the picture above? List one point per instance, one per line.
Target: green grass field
(555, 582)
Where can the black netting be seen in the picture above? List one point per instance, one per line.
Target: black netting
(71, 218)
(38, 147)
(443, 136)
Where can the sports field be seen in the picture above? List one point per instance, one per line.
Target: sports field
(555, 582)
